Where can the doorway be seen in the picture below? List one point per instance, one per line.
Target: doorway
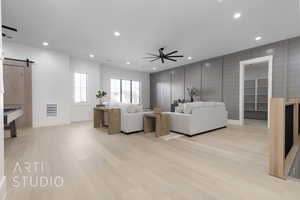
(255, 91)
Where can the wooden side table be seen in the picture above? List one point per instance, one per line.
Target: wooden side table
(160, 121)
(114, 119)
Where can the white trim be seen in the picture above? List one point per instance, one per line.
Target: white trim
(234, 122)
(3, 192)
(268, 59)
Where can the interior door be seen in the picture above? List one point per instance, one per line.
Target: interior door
(13, 85)
(18, 89)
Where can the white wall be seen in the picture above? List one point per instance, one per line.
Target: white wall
(2, 178)
(50, 82)
(84, 112)
(109, 72)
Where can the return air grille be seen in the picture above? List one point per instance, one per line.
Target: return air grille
(51, 110)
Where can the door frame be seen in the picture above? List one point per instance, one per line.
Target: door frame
(244, 63)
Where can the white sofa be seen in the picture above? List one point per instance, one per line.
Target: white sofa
(198, 117)
(132, 117)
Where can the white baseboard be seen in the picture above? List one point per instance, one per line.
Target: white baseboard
(234, 122)
(3, 191)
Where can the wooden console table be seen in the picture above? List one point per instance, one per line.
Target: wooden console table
(160, 121)
(114, 119)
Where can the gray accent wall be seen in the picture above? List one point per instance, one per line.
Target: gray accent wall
(219, 80)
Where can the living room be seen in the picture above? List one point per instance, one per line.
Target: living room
(150, 99)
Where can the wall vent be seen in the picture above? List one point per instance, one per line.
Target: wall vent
(51, 110)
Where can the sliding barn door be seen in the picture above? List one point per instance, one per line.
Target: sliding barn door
(18, 89)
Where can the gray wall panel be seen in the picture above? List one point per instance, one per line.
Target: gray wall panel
(212, 80)
(153, 89)
(177, 86)
(231, 81)
(193, 78)
(164, 91)
(294, 68)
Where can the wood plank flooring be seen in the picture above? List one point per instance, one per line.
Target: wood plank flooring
(230, 163)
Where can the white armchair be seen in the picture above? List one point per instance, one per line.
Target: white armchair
(132, 118)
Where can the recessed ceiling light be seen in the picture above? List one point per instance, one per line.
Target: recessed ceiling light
(258, 38)
(117, 34)
(220, 1)
(270, 51)
(92, 55)
(189, 58)
(127, 63)
(207, 64)
(237, 15)
(45, 43)
(154, 68)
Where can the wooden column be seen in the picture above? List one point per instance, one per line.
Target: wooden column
(281, 161)
(277, 137)
(296, 117)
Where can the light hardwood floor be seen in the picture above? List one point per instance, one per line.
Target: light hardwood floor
(230, 163)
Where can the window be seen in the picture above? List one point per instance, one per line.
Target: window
(135, 96)
(80, 85)
(115, 90)
(125, 91)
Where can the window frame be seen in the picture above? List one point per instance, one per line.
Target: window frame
(86, 89)
(121, 89)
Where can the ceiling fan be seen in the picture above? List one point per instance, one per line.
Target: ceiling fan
(10, 29)
(162, 56)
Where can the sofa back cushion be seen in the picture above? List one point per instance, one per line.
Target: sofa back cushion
(131, 108)
(188, 107)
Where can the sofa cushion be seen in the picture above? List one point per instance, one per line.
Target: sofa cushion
(179, 109)
(188, 107)
(131, 108)
(139, 108)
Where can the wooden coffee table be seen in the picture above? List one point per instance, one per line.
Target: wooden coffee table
(158, 122)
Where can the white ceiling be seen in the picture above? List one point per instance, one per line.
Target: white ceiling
(198, 28)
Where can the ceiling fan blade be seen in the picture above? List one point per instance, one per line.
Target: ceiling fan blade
(179, 56)
(171, 59)
(154, 59)
(152, 54)
(9, 28)
(162, 59)
(171, 53)
(150, 57)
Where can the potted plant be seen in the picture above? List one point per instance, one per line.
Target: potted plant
(100, 94)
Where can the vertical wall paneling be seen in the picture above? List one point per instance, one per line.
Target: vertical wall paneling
(231, 81)
(193, 79)
(212, 80)
(177, 83)
(294, 68)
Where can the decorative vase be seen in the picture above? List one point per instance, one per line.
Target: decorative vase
(100, 103)
(192, 99)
